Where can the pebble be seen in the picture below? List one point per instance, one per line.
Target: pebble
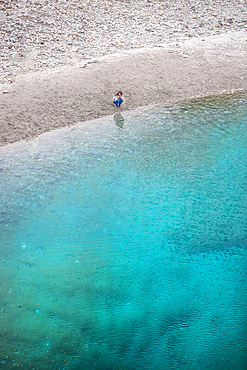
(39, 35)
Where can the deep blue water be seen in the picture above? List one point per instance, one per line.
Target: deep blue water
(124, 247)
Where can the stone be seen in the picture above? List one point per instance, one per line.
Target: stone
(99, 27)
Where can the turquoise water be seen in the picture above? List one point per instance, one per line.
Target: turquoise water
(124, 247)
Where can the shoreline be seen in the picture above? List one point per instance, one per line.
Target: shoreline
(39, 102)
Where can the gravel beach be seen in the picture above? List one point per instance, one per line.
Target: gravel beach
(58, 58)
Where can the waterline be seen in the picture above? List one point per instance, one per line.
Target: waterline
(125, 247)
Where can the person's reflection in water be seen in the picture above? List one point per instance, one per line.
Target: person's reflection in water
(119, 120)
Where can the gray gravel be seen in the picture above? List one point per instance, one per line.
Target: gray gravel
(36, 35)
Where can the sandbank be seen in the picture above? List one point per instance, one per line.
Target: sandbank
(39, 102)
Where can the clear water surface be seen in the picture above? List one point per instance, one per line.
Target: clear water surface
(124, 246)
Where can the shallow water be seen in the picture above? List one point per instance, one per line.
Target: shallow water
(124, 246)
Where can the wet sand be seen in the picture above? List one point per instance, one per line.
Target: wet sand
(43, 101)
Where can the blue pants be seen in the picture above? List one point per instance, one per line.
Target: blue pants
(118, 102)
